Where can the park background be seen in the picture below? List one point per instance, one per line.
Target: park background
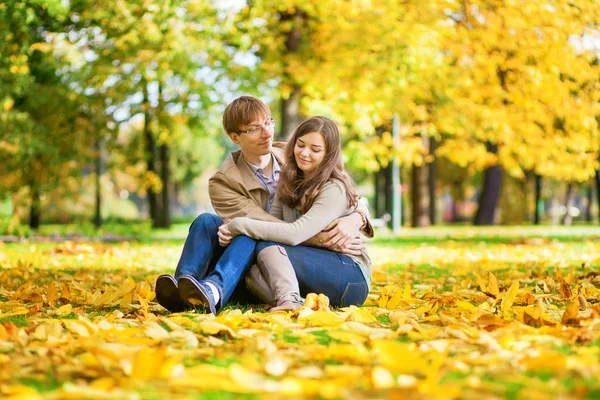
(111, 112)
(479, 112)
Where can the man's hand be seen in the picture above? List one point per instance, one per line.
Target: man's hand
(341, 230)
(351, 247)
(225, 237)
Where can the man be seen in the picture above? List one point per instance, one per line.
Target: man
(207, 274)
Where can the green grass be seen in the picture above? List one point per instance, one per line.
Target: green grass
(19, 320)
(46, 384)
(383, 319)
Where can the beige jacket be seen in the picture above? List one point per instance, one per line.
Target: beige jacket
(235, 192)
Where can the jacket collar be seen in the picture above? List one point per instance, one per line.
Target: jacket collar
(247, 177)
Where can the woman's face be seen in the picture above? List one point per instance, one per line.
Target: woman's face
(309, 151)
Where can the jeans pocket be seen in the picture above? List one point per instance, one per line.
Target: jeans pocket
(355, 294)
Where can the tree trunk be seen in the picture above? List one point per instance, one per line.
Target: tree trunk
(598, 192)
(458, 197)
(290, 113)
(432, 182)
(419, 196)
(389, 206)
(490, 193)
(290, 106)
(539, 202)
(165, 218)
(150, 156)
(590, 201)
(376, 194)
(568, 218)
(36, 206)
(98, 214)
(380, 194)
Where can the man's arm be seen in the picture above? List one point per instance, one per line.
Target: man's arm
(229, 203)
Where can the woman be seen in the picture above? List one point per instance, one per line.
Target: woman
(313, 191)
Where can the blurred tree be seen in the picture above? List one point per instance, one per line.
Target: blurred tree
(160, 60)
(43, 128)
(522, 82)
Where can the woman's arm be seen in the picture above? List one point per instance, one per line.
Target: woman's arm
(330, 204)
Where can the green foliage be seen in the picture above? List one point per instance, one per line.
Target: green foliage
(11, 226)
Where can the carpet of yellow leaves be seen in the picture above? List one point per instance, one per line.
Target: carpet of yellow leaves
(519, 319)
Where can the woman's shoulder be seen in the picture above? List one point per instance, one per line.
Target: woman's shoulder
(333, 187)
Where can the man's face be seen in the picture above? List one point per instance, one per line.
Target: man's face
(256, 138)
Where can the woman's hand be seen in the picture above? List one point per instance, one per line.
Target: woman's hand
(225, 236)
(341, 230)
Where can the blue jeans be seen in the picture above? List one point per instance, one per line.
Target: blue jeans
(324, 271)
(203, 258)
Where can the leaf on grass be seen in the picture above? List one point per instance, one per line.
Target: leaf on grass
(465, 305)
(147, 363)
(361, 315)
(571, 314)
(399, 357)
(127, 299)
(509, 298)
(51, 293)
(565, 290)
(64, 310)
(482, 286)
(215, 328)
(322, 318)
(493, 289)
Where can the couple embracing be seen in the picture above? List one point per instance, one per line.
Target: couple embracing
(289, 222)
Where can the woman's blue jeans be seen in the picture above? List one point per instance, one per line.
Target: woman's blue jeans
(324, 271)
(203, 258)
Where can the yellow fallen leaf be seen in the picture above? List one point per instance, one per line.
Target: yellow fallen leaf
(127, 299)
(493, 284)
(347, 337)
(509, 298)
(351, 353)
(394, 300)
(51, 293)
(361, 315)
(19, 391)
(155, 331)
(465, 305)
(399, 357)
(277, 366)
(147, 363)
(571, 314)
(104, 383)
(3, 333)
(406, 294)
(214, 328)
(64, 310)
(322, 318)
(76, 327)
(482, 286)
(381, 378)
(565, 290)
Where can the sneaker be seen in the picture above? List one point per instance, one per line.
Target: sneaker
(196, 293)
(167, 294)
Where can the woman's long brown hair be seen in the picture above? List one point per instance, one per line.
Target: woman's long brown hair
(294, 189)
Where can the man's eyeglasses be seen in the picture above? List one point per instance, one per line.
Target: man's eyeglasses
(257, 130)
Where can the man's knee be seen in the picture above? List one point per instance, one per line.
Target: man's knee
(207, 220)
(260, 246)
(242, 240)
